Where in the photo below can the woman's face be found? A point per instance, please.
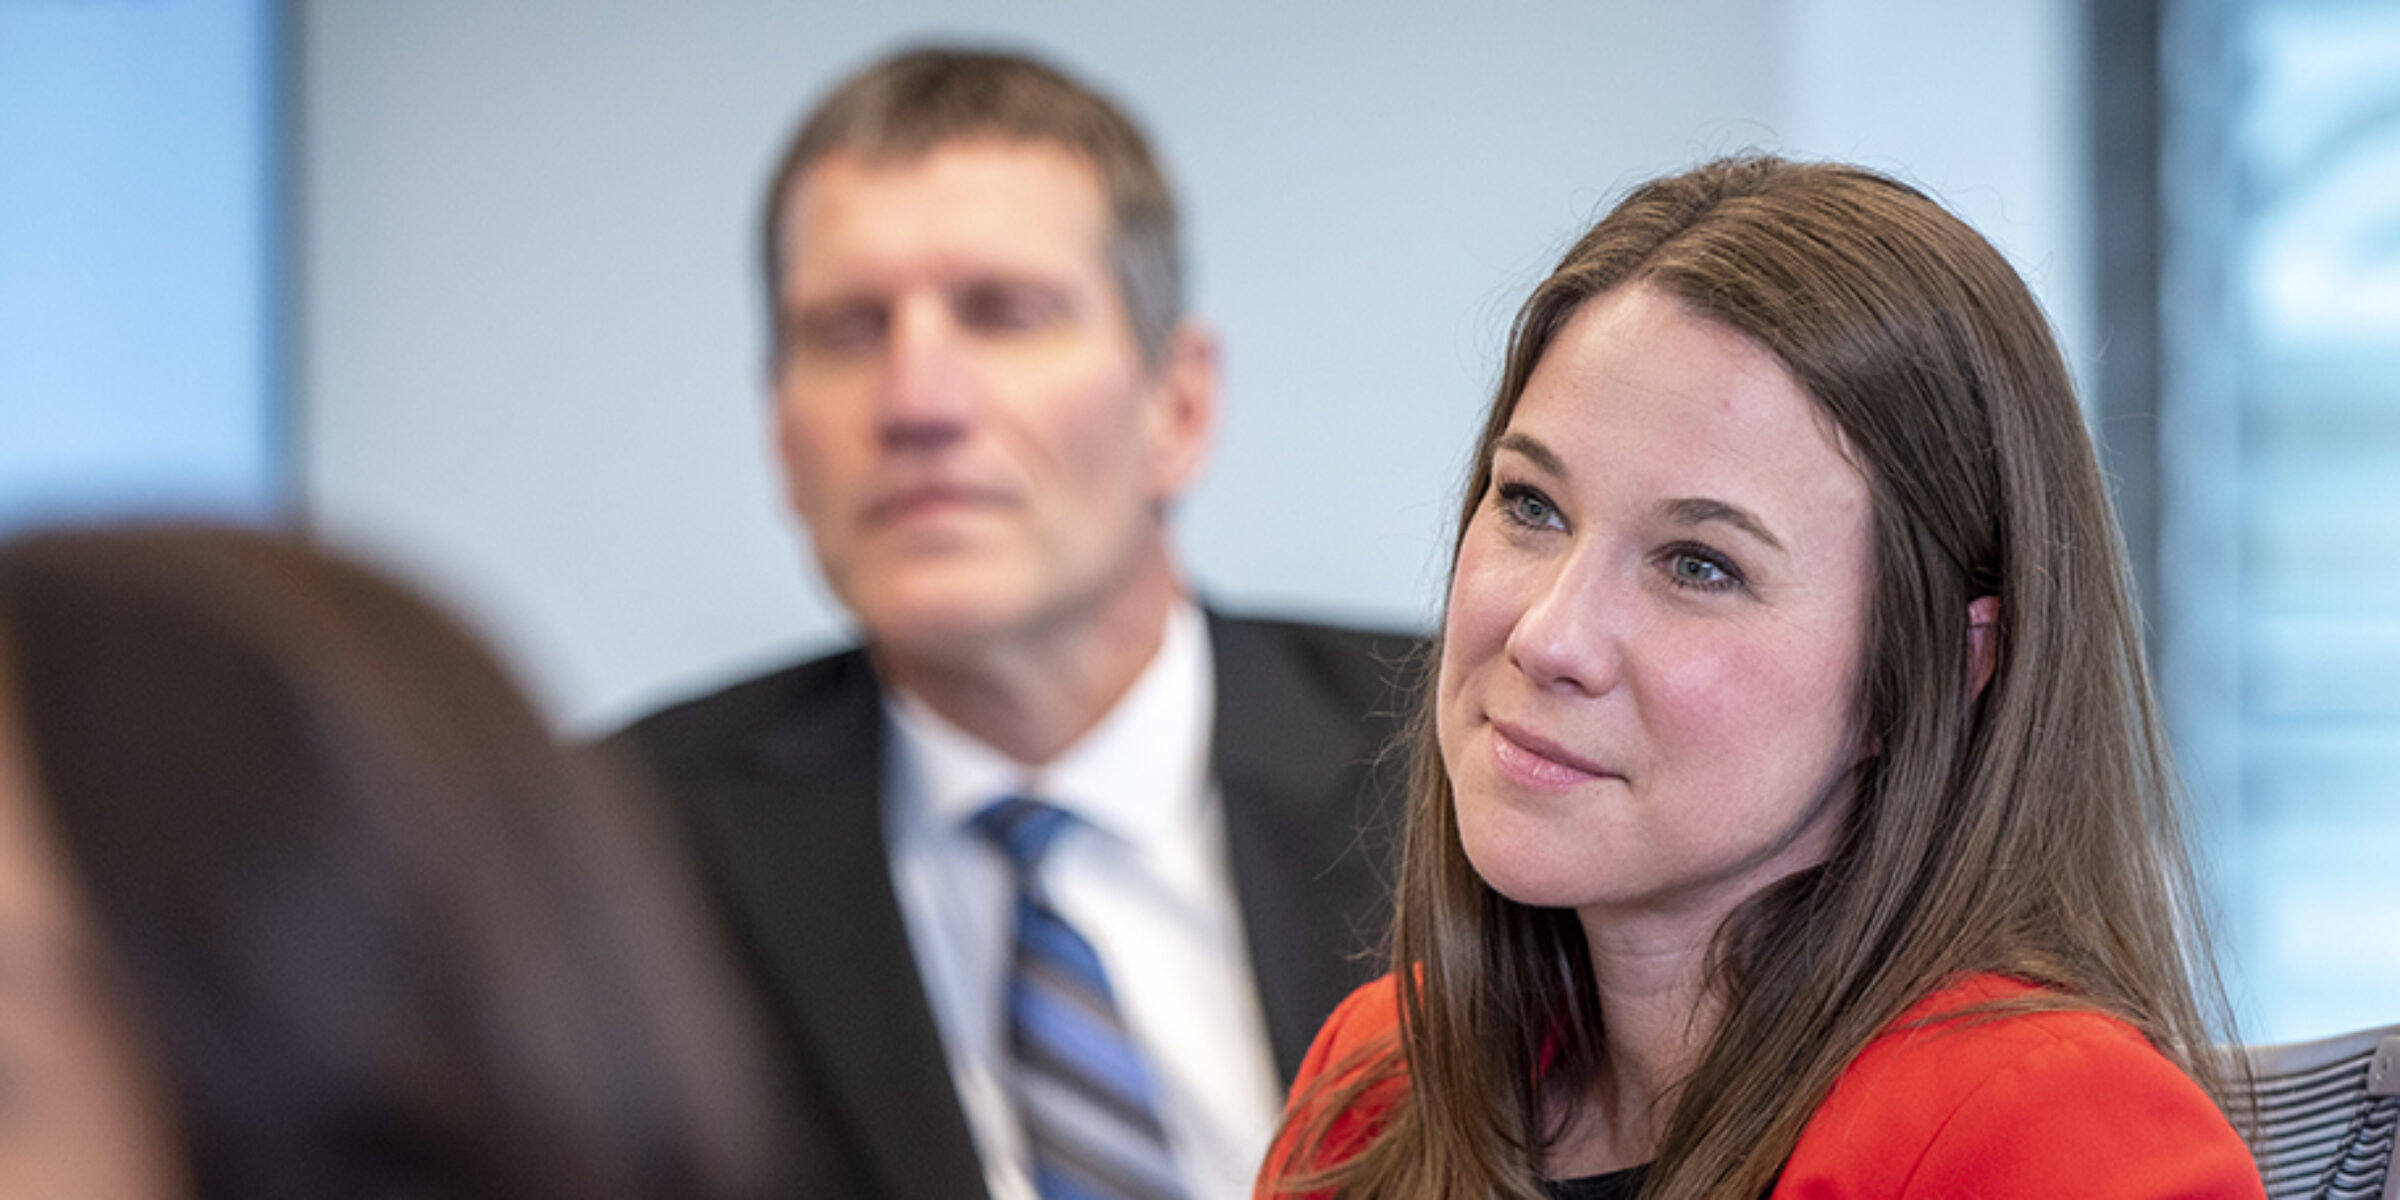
(81, 1112)
(1655, 626)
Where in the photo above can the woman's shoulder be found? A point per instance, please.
(1966, 1095)
(1996, 1019)
(1365, 1019)
(1326, 1112)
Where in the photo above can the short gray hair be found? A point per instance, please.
(912, 102)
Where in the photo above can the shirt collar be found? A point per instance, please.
(1133, 775)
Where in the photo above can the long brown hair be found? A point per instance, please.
(2035, 831)
(383, 935)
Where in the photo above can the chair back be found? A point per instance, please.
(2326, 1116)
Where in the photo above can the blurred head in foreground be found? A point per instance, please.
(299, 898)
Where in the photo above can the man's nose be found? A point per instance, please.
(927, 396)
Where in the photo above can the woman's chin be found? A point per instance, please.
(1526, 866)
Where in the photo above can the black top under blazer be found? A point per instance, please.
(779, 782)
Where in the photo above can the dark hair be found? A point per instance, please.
(2035, 831)
(906, 105)
(384, 935)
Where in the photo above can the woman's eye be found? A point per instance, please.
(1527, 507)
(1701, 571)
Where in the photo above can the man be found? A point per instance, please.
(988, 401)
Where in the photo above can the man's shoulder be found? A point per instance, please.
(1363, 664)
(702, 731)
(1345, 640)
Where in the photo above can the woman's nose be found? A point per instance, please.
(1569, 634)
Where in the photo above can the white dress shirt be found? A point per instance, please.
(1143, 876)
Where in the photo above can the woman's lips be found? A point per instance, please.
(1537, 762)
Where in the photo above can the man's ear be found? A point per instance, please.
(787, 452)
(1983, 633)
(1183, 411)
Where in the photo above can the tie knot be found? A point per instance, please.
(1023, 829)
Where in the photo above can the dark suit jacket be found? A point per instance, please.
(780, 782)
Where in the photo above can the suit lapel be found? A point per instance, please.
(1294, 766)
(797, 838)
(803, 841)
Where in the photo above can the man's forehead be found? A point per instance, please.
(973, 142)
(972, 198)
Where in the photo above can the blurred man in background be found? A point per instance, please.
(1049, 882)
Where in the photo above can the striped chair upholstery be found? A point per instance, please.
(2326, 1115)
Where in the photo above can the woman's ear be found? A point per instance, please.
(1983, 616)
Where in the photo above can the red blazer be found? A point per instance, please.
(2035, 1105)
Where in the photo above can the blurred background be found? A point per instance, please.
(470, 289)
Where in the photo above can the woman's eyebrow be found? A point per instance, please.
(1695, 510)
(1701, 510)
(1529, 447)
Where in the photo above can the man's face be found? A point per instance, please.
(966, 422)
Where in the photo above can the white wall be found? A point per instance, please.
(531, 346)
(1982, 104)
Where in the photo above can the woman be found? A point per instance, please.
(1791, 811)
(299, 899)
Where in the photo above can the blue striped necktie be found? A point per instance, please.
(1083, 1094)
